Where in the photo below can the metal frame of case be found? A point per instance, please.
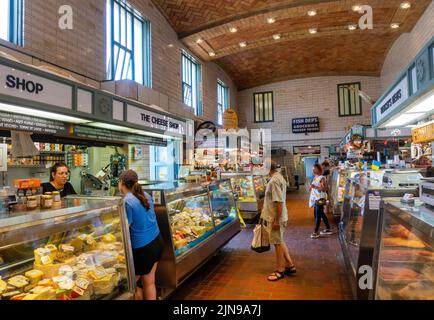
(248, 210)
(419, 222)
(174, 270)
(369, 235)
(43, 223)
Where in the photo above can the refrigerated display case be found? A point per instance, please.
(405, 269)
(195, 220)
(249, 191)
(358, 229)
(338, 182)
(79, 251)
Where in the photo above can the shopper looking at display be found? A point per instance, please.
(275, 217)
(145, 235)
(318, 198)
(327, 175)
(59, 176)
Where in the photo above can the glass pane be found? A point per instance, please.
(352, 102)
(256, 107)
(266, 107)
(108, 39)
(346, 102)
(120, 65)
(414, 80)
(4, 20)
(270, 107)
(129, 43)
(116, 22)
(138, 51)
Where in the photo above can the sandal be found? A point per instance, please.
(277, 276)
(289, 271)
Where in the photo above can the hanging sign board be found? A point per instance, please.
(305, 125)
(393, 100)
(28, 86)
(18, 122)
(230, 119)
(424, 133)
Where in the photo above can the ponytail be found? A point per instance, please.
(138, 193)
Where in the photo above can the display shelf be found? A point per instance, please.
(27, 166)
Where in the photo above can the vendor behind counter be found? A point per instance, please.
(59, 176)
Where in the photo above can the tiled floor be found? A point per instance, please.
(238, 273)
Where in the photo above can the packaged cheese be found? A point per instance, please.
(109, 238)
(34, 276)
(3, 286)
(40, 253)
(53, 251)
(19, 282)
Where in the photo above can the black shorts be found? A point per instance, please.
(145, 257)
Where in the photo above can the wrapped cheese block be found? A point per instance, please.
(44, 293)
(10, 295)
(3, 286)
(78, 243)
(52, 270)
(53, 251)
(109, 238)
(19, 282)
(65, 252)
(34, 276)
(105, 285)
(31, 296)
(42, 256)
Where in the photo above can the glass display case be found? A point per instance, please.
(360, 222)
(223, 204)
(405, 268)
(250, 192)
(77, 251)
(195, 220)
(338, 182)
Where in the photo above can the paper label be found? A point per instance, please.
(46, 260)
(156, 196)
(374, 202)
(82, 283)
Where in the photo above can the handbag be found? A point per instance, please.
(321, 202)
(261, 238)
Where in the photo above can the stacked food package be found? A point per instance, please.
(189, 224)
(83, 269)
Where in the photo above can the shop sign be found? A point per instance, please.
(154, 120)
(11, 121)
(305, 125)
(423, 133)
(230, 119)
(28, 86)
(393, 100)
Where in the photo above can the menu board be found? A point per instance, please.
(18, 122)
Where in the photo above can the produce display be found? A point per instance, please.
(244, 188)
(190, 220)
(83, 269)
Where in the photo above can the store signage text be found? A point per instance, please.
(393, 100)
(159, 121)
(305, 125)
(154, 120)
(23, 84)
(28, 86)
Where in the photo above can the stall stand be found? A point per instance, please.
(250, 192)
(78, 250)
(195, 220)
(360, 222)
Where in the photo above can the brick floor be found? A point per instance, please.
(238, 273)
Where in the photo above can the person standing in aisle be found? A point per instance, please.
(275, 218)
(145, 234)
(317, 200)
(327, 175)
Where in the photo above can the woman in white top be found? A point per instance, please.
(318, 198)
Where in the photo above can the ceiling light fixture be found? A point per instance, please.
(233, 29)
(271, 20)
(277, 36)
(394, 25)
(357, 8)
(352, 27)
(243, 44)
(311, 13)
(212, 54)
(405, 5)
(313, 30)
(199, 41)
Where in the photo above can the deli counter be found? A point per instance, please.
(359, 227)
(250, 192)
(78, 251)
(405, 268)
(195, 220)
(338, 182)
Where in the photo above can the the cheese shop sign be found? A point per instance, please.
(28, 86)
(154, 120)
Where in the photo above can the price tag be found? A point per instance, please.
(156, 196)
(46, 260)
(374, 202)
(82, 283)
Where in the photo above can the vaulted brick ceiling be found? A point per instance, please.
(333, 50)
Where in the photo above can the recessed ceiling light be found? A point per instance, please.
(199, 41)
(271, 20)
(311, 13)
(394, 25)
(405, 5)
(170, 45)
(313, 30)
(352, 27)
(233, 29)
(211, 54)
(357, 7)
(277, 36)
(243, 44)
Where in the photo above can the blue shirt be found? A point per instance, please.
(143, 223)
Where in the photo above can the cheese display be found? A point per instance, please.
(190, 221)
(68, 272)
